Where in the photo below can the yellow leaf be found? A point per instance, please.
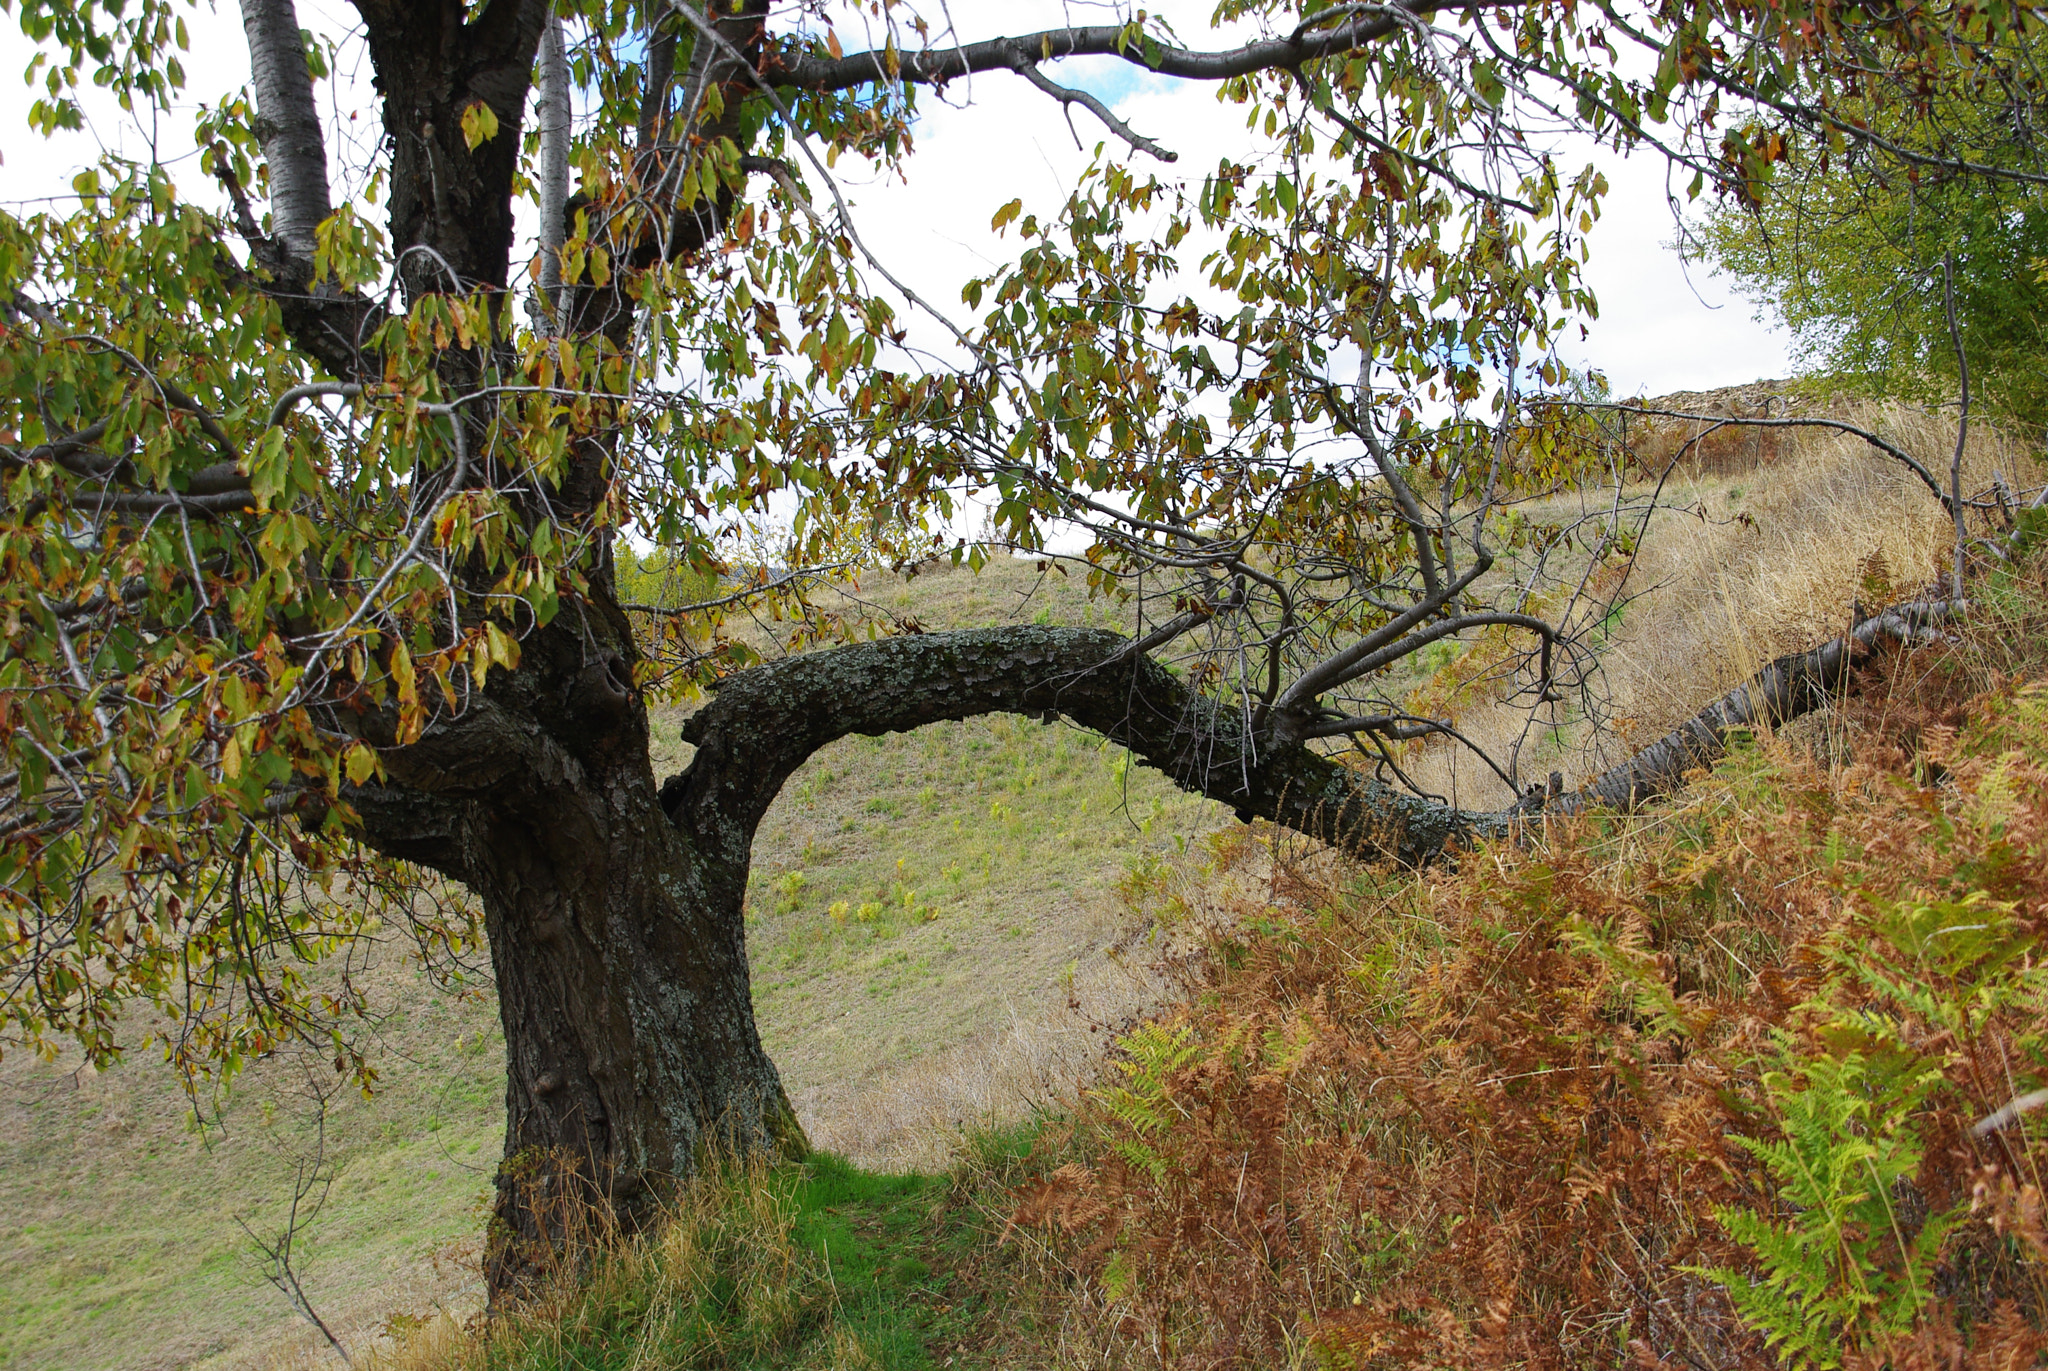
(479, 124)
(401, 672)
(361, 764)
(504, 647)
(832, 44)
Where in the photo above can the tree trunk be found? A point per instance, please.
(630, 1045)
(613, 907)
(614, 910)
(448, 202)
(616, 937)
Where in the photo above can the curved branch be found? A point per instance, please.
(815, 72)
(289, 401)
(1888, 449)
(764, 722)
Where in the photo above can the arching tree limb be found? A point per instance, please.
(763, 723)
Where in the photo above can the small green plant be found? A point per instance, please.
(1847, 1267)
(1841, 1270)
(816, 1264)
(1154, 1053)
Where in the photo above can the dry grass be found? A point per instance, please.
(1740, 569)
(1501, 1115)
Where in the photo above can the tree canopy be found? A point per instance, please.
(315, 505)
(1901, 277)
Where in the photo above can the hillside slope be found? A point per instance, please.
(939, 926)
(920, 910)
(1752, 1080)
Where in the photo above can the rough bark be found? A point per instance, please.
(615, 910)
(613, 906)
(616, 939)
(451, 205)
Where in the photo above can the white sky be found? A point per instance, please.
(1661, 328)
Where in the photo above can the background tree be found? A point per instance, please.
(312, 522)
(1863, 254)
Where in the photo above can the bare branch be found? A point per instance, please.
(744, 593)
(1955, 470)
(810, 71)
(290, 399)
(1344, 666)
(1891, 450)
(1069, 97)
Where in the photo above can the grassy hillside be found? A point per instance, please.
(920, 909)
(1753, 1080)
(1750, 1081)
(118, 1241)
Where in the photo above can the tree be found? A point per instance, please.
(312, 524)
(1898, 277)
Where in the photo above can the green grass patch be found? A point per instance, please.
(761, 1267)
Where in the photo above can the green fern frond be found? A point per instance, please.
(1839, 1272)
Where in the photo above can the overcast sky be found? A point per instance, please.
(1662, 327)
